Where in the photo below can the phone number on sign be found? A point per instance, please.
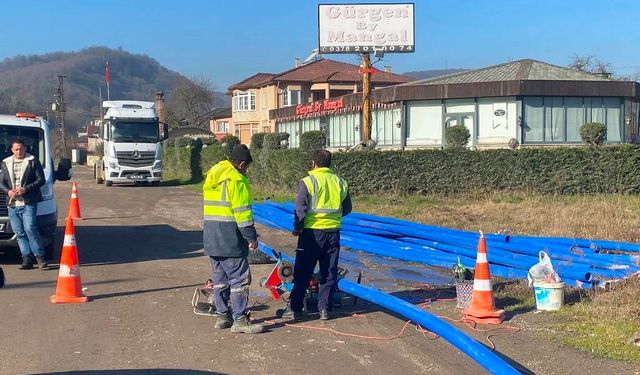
(359, 49)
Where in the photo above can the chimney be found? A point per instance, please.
(603, 74)
(387, 68)
(296, 62)
(160, 107)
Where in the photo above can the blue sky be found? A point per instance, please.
(227, 41)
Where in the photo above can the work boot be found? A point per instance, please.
(27, 263)
(243, 325)
(324, 315)
(289, 314)
(42, 262)
(223, 321)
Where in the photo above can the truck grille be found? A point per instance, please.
(136, 158)
(4, 211)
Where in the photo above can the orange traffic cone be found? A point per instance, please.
(69, 288)
(74, 203)
(482, 308)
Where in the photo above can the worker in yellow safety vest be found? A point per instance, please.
(322, 200)
(228, 235)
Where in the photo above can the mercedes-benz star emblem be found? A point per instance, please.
(135, 154)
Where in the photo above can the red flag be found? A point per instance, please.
(107, 73)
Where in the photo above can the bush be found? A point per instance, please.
(275, 141)
(593, 133)
(181, 142)
(257, 140)
(228, 143)
(456, 136)
(313, 140)
(562, 170)
(208, 141)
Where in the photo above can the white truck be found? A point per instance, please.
(130, 134)
(35, 132)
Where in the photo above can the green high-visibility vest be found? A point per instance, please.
(227, 196)
(327, 191)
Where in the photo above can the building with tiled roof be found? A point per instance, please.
(221, 122)
(255, 96)
(525, 102)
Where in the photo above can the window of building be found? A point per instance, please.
(222, 127)
(558, 119)
(244, 101)
(291, 97)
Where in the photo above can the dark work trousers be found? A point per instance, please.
(316, 246)
(231, 280)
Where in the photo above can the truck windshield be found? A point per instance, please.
(33, 138)
(135, 131)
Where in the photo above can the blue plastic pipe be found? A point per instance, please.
(617, 266)
(476, 351)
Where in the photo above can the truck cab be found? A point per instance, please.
(34, 131)
(130, 133)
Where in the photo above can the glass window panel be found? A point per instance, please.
(575, 118)
(597, 111)
(613, 114)
(533, 119)
(554, 119)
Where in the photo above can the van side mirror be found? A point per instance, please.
(63, 172)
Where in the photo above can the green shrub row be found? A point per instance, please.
(562, 170)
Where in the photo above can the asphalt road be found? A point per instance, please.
(141, 257)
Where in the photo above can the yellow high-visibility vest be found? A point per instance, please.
(327, 191)
(227, 195)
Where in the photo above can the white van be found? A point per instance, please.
(34, 131)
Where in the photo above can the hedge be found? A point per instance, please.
(562, 170)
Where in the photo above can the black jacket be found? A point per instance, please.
(32, 178)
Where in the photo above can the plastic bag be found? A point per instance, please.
(542, 271)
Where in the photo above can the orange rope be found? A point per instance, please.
(327, 329)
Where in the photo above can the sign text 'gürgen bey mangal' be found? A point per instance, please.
(319, 106)
(345, 28)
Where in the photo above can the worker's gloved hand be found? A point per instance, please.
(296, 232)
(253, 245)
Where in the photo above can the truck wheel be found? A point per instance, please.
(108, 183)
(155, 183)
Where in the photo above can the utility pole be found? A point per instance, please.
(61, 107)
(366, 92)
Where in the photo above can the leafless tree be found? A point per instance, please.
(581, 63)
(590, 64)
(190, 102)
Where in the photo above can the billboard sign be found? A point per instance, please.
(363, 28)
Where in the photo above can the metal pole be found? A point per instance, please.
(366, 91)
(62, 109)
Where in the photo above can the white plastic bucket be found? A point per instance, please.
(549, 296)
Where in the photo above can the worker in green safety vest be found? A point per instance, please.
(322, 200)
(229, 233)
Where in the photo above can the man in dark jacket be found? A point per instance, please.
(21, 178)
(229, 233)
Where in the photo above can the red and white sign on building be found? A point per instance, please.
(364, 28)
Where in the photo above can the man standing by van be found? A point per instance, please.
(229, 233)
(21, 179)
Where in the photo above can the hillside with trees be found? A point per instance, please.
(29, 83)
